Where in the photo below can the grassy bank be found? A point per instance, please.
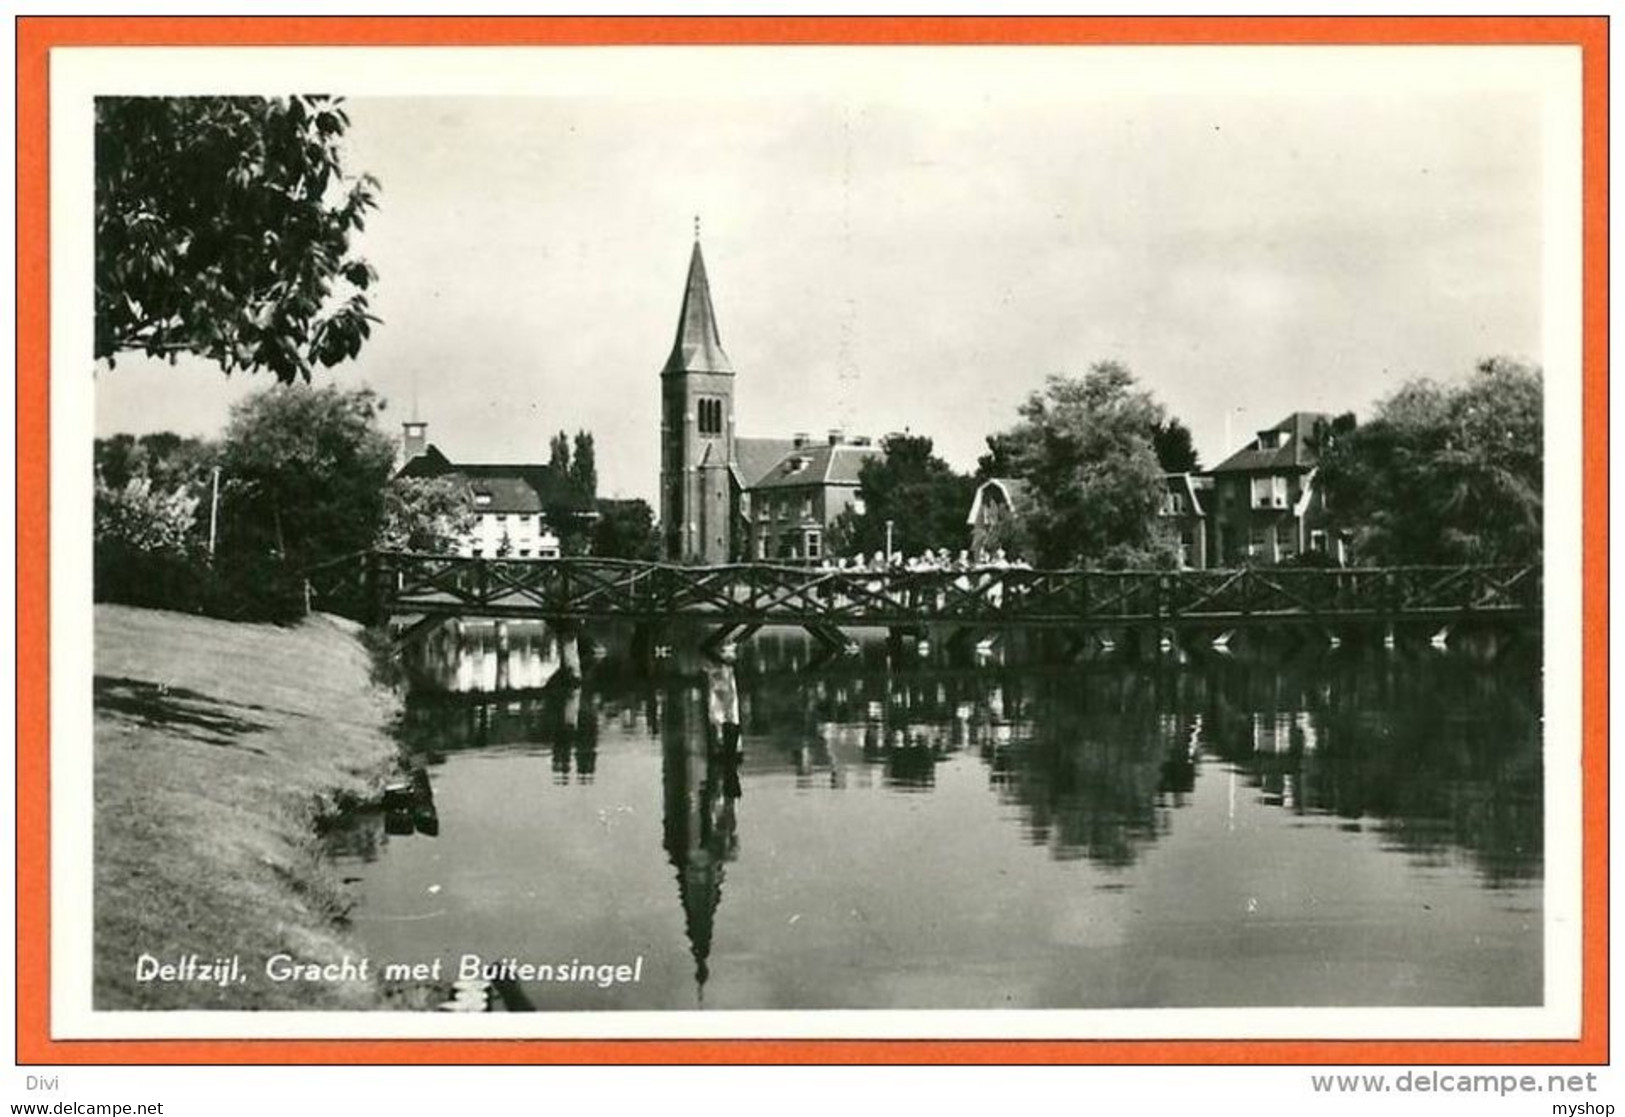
(219, 748)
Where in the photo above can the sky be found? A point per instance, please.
(921, 254)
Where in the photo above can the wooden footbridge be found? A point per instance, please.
(737, 599)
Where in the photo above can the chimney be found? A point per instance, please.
(801, 439)
(836, 436)
(414, 440)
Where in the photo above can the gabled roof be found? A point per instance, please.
(758, 456)
(820, 464)
(698, 346)
(501, 494)
(430, 463)
(555, 492)
(1187, 486)
(1009, 491)
(1293, 453)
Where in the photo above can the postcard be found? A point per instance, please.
(813, 540)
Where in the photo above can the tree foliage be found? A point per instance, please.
(558, 456)
(1443, 473)
(430, 515)
(1176, 452)
(626, 529)
(149, 543)
(223, 229)
(922, 496)
(170, 461)
(1084, 445)
(142, 517)
(584, 466)
(306, 470)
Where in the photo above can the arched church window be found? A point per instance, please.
(710, 413)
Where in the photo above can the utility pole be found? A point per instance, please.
(1229, 446)
(214, 510)
(888, 543)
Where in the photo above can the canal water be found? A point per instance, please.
(916, 826)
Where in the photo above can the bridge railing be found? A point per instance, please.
(764, 592)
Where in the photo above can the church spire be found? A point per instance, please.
(698, 347)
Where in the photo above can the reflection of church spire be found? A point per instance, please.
(701, 783)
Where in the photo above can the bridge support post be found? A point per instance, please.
(831, 638)
(420, 628)
(728, 636)
(712, 643)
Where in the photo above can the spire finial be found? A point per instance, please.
(696, 228)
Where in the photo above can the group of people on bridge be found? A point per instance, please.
(927, 560)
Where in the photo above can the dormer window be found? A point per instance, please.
(1271, 440)
(796, 465)
(482, 499)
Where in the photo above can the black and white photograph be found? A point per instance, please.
(720, 540)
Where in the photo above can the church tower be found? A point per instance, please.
(697, 432)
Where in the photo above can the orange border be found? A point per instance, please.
(37, 36)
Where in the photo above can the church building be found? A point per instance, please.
(725, 498)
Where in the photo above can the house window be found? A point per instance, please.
(710, 412)
(1269, 492)
(1317, 542)
(815, 544)
(806, 508)
(524, 552)
(1259, 542)
(502, 517)
(859, 508)
(482, 499)
(478, 552)
(524, 518)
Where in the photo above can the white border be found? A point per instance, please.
(78, 74)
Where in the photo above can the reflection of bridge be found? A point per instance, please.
(378, 584)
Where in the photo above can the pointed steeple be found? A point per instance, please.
(698, 347)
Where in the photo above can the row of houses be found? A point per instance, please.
(728, 497)
(1260, 506)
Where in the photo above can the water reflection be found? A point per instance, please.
(700, 780)
(1434, 754)
(1383, 775)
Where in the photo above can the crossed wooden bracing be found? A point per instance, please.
(378, 584)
